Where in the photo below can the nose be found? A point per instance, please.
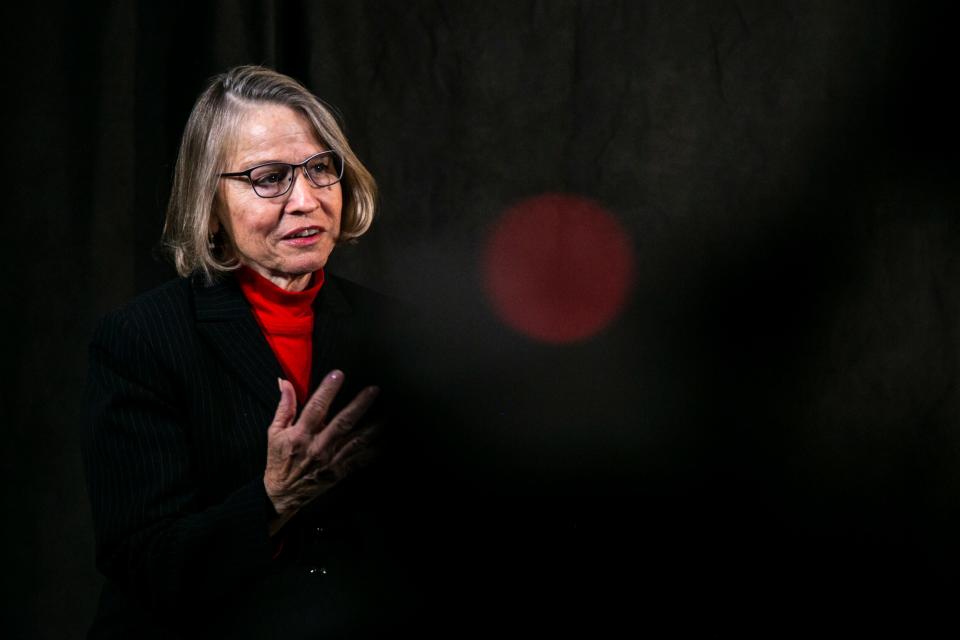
(303, 197)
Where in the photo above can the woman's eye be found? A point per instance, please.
(269, 179)
(320, 166)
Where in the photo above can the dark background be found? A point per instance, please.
(770, 424)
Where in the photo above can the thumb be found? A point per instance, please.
(287, 407)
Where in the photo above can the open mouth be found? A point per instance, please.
(302, 233)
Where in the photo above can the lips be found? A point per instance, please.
(302, 232)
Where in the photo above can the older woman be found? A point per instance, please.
(221, 443)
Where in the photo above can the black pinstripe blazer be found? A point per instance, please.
(182, 385)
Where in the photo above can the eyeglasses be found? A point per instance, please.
(275, 179)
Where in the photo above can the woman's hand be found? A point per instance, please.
(307, 457)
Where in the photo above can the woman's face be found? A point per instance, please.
(261, 230)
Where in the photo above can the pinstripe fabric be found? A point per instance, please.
(181, 388)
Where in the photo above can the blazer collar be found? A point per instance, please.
(225, 319)
(224, 301)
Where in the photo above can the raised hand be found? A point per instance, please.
(309, 456)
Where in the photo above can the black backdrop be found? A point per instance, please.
(772, 418)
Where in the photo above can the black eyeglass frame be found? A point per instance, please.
(337, 158)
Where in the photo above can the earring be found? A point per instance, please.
(211, 244)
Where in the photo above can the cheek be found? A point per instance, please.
(248, 227)
(257, 227)
(338, 212)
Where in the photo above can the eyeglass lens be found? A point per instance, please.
(272, 180)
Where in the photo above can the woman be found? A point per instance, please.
(222, 448)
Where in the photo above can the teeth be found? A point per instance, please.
(306, 233)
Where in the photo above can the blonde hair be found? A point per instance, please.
(207, 139)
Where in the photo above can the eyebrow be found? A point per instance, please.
(253, 163)
(247, 164)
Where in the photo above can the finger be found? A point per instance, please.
(359, 458)
(287, 407)
(349, 416)
(326, 451)
(315, 411)
(358, 445)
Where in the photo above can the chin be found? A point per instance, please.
(300, 267)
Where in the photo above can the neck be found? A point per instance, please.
(292, 283)
(286, 281)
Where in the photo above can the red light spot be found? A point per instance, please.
(557, 267)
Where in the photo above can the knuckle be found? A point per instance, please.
(342, 425)
(319, 404)
(316, 452)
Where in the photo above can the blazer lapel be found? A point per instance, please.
(225, 319)
(329, 309)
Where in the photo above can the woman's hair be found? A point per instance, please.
(209, 137)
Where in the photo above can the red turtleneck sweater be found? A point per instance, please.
(286, 318)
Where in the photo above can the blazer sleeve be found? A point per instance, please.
(152, 535)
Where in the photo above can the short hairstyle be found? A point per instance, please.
(210, 134)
